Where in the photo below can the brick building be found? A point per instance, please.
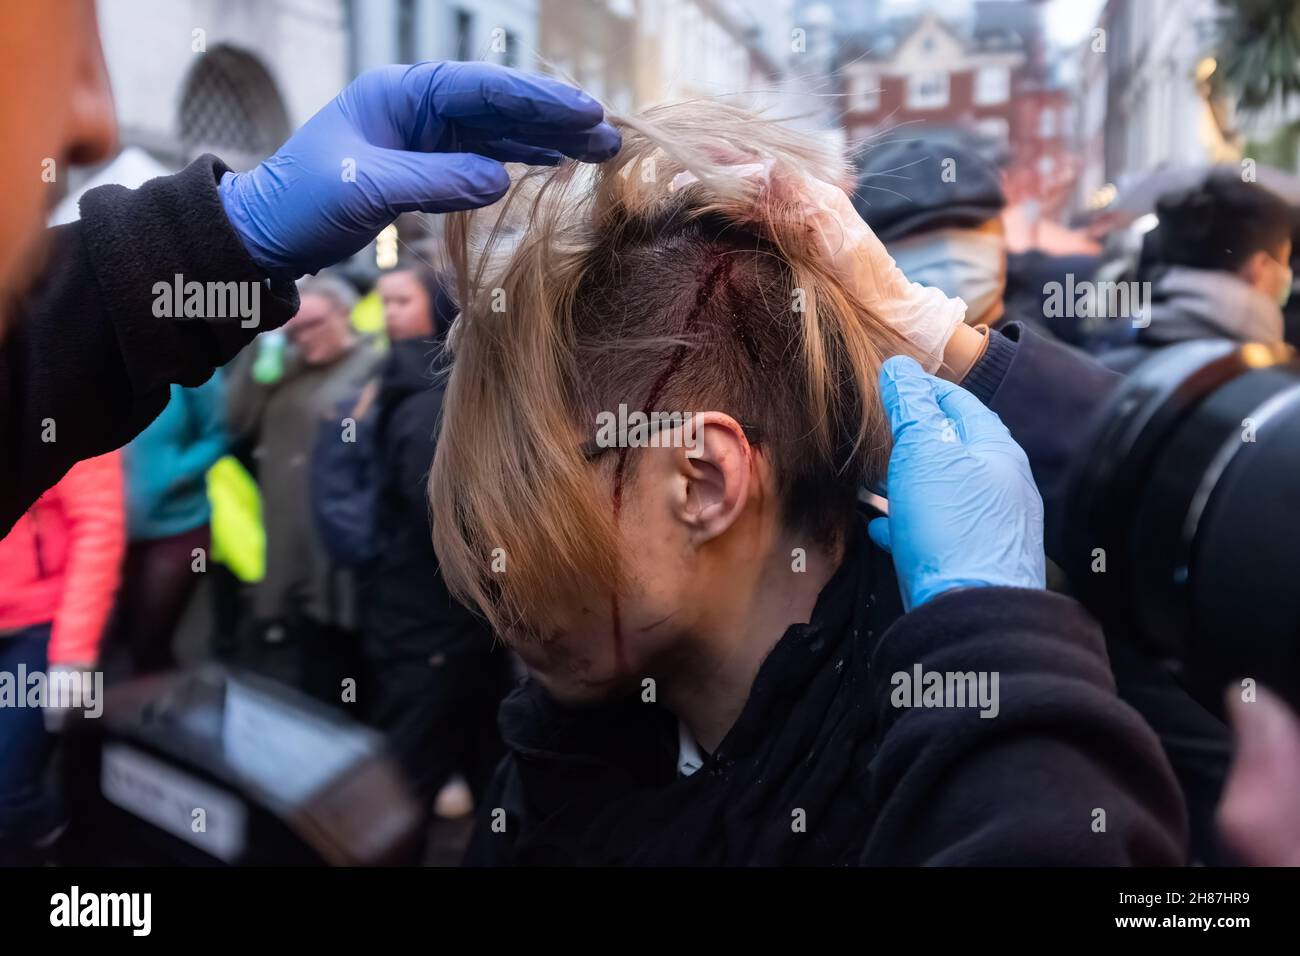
(927, 76)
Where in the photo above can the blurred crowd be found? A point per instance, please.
(1214, 258)
(281, 506)
(281, 509)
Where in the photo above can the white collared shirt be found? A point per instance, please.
(688, 752)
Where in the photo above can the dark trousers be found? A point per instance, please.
(327, 656)
(439, 712)
(158, 580)
(26, 811)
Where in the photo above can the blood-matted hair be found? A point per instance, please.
(664, 281)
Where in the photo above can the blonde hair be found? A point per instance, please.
(633, 283)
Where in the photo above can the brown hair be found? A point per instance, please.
(633, 283)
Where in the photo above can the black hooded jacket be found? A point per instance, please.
(439, 675)
(822, 769)
(406, 605)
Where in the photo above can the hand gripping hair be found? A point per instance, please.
(686, 274)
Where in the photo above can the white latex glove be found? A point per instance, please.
(924, 316)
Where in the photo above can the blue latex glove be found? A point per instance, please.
(429, 137)
(963, 507)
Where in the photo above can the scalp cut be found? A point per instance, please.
(661, 280)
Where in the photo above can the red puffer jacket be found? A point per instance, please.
(62, 561)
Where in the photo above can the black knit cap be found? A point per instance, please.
(903, 188)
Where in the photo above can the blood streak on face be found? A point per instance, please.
(721, 272)
(620, 470)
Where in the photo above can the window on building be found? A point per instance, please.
(996, 130)
(992, 85)
(1047, 124)
(864, 92)
(927, 91)
(1046, 166)
(230, 106)
(592, 73)
(406, 32)
(464, 34)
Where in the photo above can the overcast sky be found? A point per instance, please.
(1069, 21)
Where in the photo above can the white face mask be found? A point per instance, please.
(964, 263)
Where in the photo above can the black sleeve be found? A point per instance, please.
(414, 429)
(411, 611)
(86, 364)
(1065, 773)
(1047, 394)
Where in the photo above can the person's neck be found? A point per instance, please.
(709, 687)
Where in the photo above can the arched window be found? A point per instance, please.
(230, 106)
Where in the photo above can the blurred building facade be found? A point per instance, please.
(406, 31)
(1090, 111)
(594, 43)
(927, 72)
(235, 77)
(634, 53)
(983, 69)
(232, 77)
(1155, 111)
(1143, 95)
(694, 48)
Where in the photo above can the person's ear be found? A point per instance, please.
(714, 468)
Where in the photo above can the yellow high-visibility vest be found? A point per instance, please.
(238, 536)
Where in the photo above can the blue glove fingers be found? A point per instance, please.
(908, 394)
(440, 182)
(594, 145)
(508, 151)
(975, 422)
(878, 531)
(413, 136)
(479, 93)
(962, 499)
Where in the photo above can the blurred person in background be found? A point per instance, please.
(1030, 276)
(167, 521)
(415, 306)
(1219, 263)
(304, 597)
(937, 205)
(1291, 311)
(80, 338)
(59, 571)
(438, 675)
(1047, 394)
